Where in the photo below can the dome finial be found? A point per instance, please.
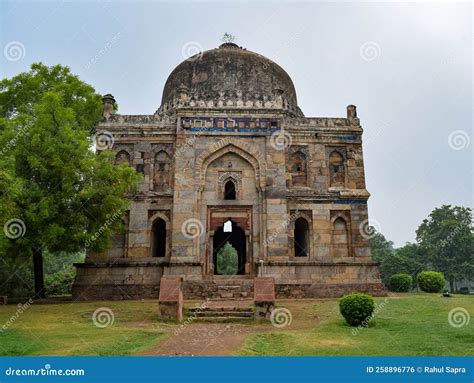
(228, 38)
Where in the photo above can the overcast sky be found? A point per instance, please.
(407, 67)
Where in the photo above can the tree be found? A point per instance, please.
(61, 195)
(446, 237)
(382, 251)
(410, 259)
(227, 260)
(407, 259)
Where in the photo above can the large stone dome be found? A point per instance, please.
(230, 77)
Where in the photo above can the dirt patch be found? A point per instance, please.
(207, 339)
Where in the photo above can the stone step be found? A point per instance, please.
(226, 314)
(224, 310)
(233, 309)
(229, 319)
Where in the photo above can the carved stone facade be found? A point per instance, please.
(230, 157)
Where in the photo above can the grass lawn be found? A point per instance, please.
(408, 324)
(68, 329)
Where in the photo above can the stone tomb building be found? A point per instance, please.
(229, 157)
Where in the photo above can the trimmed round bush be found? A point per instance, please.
(357, 309)
(431, 281)
(400, 283)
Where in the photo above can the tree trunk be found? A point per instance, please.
(451, 285)
(38, 272)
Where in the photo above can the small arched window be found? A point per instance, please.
(340, 238)
(229, 190)
(298, 169)
(122, 157)
(337, 174)
(158, 238)
(162, 171)
(301, 238)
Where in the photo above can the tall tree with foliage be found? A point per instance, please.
(59, 193)
(446, 237)
(227, 260)
(382, 251)
(407, 259)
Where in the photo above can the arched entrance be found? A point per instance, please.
(158, 238)
(233, 234)
(301, 238)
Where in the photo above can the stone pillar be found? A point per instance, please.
(3, 299)
(351, 111)
(171, 298)
(108, 102)
(264, 297)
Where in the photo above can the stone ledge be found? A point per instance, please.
(134, 263)
(297, 291)
(355, 262)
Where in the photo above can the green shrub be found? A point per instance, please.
(61, 282)
(357, 309)
(431, 281)
(400, 283)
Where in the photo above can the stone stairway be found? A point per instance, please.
(222, 311)
(233, 287)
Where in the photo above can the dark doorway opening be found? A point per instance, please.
(301, 236)
(229, 190)
(158, 236)
(236, 238)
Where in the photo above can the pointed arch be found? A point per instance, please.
(337, 169)
(122, 157)
(229, 145)
(158, 238)
(159, 229)
(298, 168)
(301, 237)
(161, 178)
(230, 190)
(340, 237)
